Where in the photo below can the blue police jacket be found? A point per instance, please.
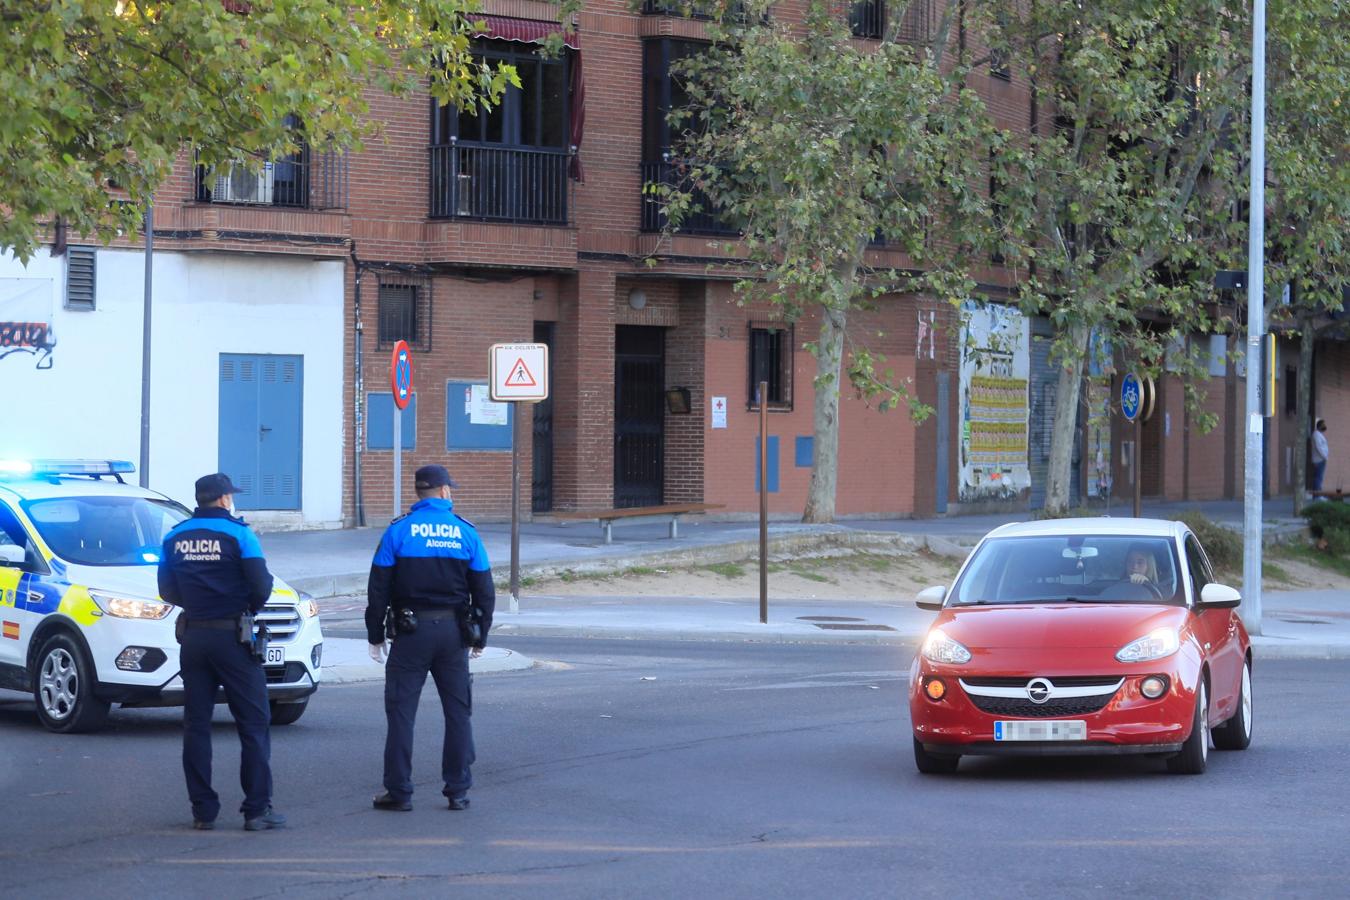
(428, 559)
(212, 566)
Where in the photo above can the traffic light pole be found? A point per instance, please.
(1256, 327)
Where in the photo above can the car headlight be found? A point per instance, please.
(307, 605)
(131, 607)
(939, 648)
(1155, 645)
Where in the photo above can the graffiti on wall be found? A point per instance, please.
(995, 367)
(26, 319)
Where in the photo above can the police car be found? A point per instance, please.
(81, 622)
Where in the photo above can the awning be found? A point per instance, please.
(527, 31)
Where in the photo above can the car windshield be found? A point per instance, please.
(105, 530)
(1072, 569)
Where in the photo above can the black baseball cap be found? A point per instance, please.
(429, 477)
(213, 487)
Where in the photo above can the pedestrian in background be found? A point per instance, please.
(212, 567)
(431, 579)
(1321, 452)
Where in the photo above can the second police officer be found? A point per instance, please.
(212, 566)
(432, 579)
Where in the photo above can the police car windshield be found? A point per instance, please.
(105, 531)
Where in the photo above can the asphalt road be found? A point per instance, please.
(742, 770)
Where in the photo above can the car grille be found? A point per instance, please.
(1017, 681)
(282, 621)
(1050, 709)
(287, 674)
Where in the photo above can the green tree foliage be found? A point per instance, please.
(100, 96)
(815, 145)
(1121, 199)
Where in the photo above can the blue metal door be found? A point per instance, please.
(260, 427)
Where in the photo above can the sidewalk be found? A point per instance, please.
(329, 563)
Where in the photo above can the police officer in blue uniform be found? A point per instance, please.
(431, 575)
(212, 566)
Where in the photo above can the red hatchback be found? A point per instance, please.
(1083, 636)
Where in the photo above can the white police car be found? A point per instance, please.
(81, 622)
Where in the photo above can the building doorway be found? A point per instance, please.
(541, 486)
(639, 416)
(261, 401)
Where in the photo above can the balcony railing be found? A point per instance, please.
(704, 218)
(500, 184)
(869, 18)
(303, 180)
(694, 9)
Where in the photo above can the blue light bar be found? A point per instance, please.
(65, 467)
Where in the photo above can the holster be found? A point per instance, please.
(470, 620)
(180, 627)
(399, 621)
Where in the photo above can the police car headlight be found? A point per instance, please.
(307, 606)
(131, 607)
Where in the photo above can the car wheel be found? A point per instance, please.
(287, 713)
(932, 763)
(1236, 733)
(1194, 753)
(63, 687)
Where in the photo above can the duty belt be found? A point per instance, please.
(216, 624)
(435, 613)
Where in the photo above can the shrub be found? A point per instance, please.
(1223, 545)
(1329, 522)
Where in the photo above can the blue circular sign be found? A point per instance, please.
(1131, 396)
(401, 374)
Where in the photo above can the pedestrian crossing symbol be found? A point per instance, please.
(519, 372)
(520, 375)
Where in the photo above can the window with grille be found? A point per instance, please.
(80, 278)
(404, 311)
(770, 354)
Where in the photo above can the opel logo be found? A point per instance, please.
(1039, 690)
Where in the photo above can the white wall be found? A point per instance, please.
(88, 403)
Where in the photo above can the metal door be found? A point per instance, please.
(541, 486)
(943, 438)
(261, 435)
(1043, 388)
(639, 416)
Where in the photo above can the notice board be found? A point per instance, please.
(465, 427)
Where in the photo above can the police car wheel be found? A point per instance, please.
(63, 686)
(287, 713)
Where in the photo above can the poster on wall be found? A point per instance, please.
(26, 319)
(995, 367)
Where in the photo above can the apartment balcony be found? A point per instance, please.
(693, 9)
(704, 219)
(302, 180)
(869, 19)
(512, 185)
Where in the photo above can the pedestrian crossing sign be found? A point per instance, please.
(519, 372)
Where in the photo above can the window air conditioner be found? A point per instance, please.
(243, 184)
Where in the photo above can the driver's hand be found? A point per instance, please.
(1139, 578)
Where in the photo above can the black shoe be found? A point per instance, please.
(203, 825)
(458, 803)
(266, 820)
(390, 802)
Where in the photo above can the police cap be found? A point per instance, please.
(429, 477)
(212, 487)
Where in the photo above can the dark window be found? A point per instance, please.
(1198, 564)
(404, 310)
(81, 269)
(532, 115)
(1290, 390)
(770, 355)
(663, 91)
(867, 18)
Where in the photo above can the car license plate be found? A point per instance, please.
(1044, 730)
(276, 656)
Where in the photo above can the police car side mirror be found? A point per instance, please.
(12, 555)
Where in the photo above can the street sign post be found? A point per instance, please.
(519, 374)
(401, 383)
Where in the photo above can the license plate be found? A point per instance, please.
(1043, 730)
(276, 656)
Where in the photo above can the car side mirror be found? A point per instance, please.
(12, 555)
(931, 598)
(1219, 596)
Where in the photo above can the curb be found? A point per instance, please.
(494, 659)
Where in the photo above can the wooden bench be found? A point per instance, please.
(671, 511)
(1329, 495)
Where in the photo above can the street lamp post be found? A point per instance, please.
(145, 342)
(1256, 326)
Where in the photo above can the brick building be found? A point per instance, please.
(529, 223)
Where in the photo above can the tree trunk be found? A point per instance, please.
(1303, 417)
(1064, 430)
(825, 458)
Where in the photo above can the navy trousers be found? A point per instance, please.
(435, 648)
(212, 659)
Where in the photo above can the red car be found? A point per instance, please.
(1082, 637)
